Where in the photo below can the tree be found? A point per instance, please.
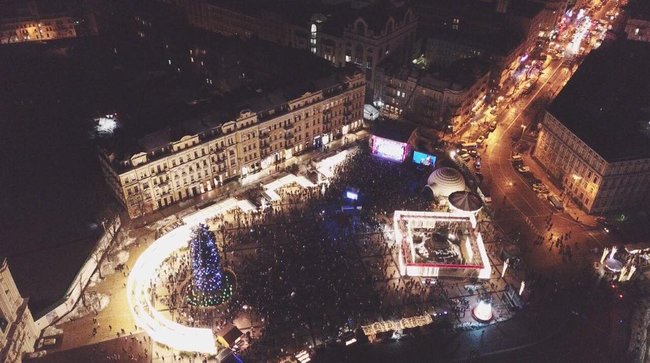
(210, 286)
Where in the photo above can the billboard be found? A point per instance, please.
(423, 158)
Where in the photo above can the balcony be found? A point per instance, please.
(288, 126)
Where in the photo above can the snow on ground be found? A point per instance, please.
(51, 331)
(92, 302)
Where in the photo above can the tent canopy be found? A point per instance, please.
(444, 181)
(465, 201)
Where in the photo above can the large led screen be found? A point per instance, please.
(389, 149)
(423, 159)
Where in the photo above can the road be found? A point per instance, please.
(527, 216)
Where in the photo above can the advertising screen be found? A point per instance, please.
(423, 159)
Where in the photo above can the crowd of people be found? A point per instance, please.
(315, 264)
(310, 269)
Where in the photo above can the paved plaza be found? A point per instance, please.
(368, 259)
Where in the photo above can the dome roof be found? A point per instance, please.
(444, 181)
(465, 201)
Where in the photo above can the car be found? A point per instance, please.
(473, 152)
(542, 190)
(530, 178)
(554, 201)
(477, 164)
(607, 226)
(480, 140)
(523, 169)
(464, 155)
(493, 126)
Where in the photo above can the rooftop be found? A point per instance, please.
(607, 101)
(639, 9)
(337, 14)
(459, 75)
(126, 144)
(393, 130)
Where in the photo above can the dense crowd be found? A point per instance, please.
(299, 263)
(314, 264)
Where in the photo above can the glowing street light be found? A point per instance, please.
(523, 129)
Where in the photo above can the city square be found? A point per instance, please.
(298, 181)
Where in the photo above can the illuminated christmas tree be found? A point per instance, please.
(210, 285)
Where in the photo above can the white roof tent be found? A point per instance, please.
(370, 112)
(434, 244)
(445, 181)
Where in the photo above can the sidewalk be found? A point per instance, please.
(574, 212)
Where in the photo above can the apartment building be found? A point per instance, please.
(174, 164)
(35, 21)
(595, 136)
(434, 97)
(360, 33)
(18, 331)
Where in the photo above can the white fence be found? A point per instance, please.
(82, 279)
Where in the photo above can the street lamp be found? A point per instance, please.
(523, 129)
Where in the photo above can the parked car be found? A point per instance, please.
(541, 190)
(473, 152)
(523, 169)
(464, 155)
(493, 126)
(480, 140)
(477, 164)
(555, 202)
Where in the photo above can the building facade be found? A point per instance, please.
(35, 21)
(18, 331)
(595, 136)
(164, 169)
(447, 97)
(593, 183)
(363, 34)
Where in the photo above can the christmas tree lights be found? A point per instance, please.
(210, 284)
